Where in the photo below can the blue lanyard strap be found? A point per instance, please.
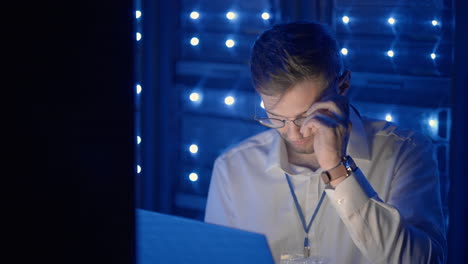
(299, 210)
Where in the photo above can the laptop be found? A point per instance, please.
(163, 238)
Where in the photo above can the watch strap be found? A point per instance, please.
(344, 169)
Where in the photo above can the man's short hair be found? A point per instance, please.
(293, 52)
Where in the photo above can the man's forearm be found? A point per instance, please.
(378, 229)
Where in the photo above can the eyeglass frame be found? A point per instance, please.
(286, 121)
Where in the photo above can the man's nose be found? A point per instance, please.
(294, 131)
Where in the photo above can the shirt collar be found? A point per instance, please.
(358, 146)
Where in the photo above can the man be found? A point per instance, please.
(325, 182)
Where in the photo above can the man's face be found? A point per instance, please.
(294, 104)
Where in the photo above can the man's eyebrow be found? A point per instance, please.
(283, 116)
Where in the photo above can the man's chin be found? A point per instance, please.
(301, 148)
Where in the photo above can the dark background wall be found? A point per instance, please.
(73, 201)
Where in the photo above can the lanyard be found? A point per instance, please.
(299, 210)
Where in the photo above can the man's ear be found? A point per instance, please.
(344, 83)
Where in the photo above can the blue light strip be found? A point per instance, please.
(138, 88)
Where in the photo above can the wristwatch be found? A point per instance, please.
(343, 169)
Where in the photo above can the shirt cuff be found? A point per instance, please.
(351, 194)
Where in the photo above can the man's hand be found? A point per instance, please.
(328, 121)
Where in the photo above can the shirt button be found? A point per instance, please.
(340, 201)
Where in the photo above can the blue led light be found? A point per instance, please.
(229, 100)
(389, 117)
(194, 41)
(138, 14)
(434, 22)
(194, 15)
(344, 51)
(138, 139)
(390, 53)
(138, 169)
(231, 15)
(193, 148)
(138, 89)
(391, 20)
(433, 56)
(345, 19)
(265, 16)
(230, 43)
(194, 97)
(138, 36)
(193, 177)
(433, 123)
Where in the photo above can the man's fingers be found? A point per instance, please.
(317, 121)
(339, 106)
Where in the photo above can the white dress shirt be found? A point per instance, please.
(387, 211)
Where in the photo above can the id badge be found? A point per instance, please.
(295, 258)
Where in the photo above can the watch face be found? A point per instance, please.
(350, 165)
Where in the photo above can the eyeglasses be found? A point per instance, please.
(279, 123)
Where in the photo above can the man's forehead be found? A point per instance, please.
(296, 100)
(308, 87)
